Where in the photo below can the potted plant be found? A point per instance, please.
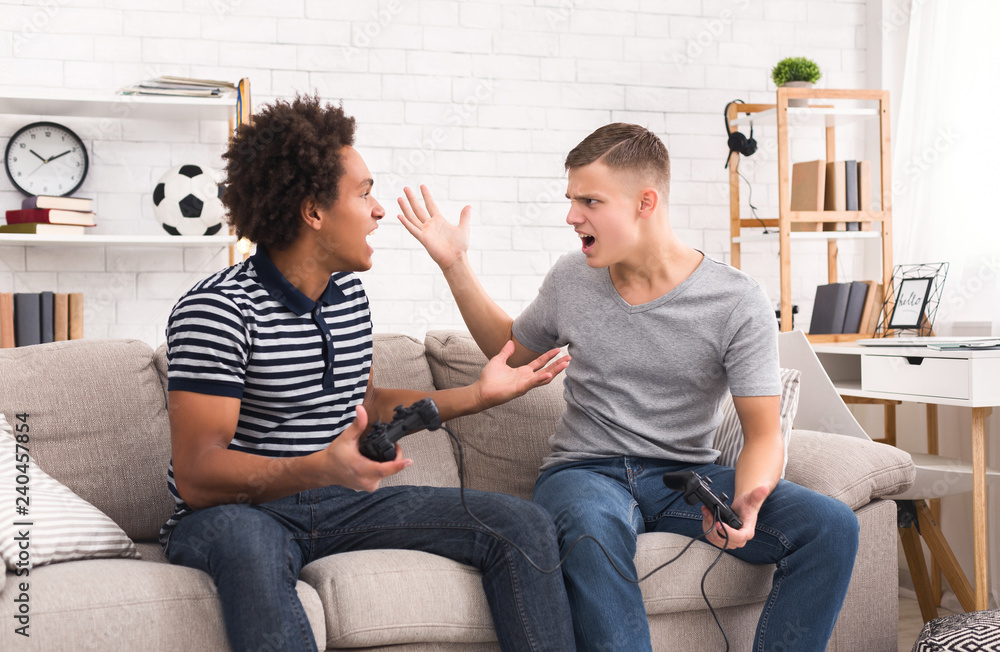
(796, 72)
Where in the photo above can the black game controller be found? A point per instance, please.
(696, 489)
(380, 443)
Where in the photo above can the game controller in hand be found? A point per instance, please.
(380, 443)
(696, 489)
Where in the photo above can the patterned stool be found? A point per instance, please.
(978, 631)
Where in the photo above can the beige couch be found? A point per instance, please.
(99, 425)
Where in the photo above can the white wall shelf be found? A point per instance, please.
(131, 107)
(807, 116)
(21, 239)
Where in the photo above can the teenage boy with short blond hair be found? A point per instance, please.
(658, 333)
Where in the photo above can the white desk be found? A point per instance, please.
(921, 375)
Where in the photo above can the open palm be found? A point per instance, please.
(499, 383)
(445, 242)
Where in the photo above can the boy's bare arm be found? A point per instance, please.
(758, 467)
(448, 246)
(207, 472)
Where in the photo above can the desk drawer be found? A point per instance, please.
(941, 377)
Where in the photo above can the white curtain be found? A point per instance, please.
(946, 174)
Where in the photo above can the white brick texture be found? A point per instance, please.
(480, 99)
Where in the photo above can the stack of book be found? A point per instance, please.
(45, 215)
(846, 308)
(834, 186)
(39, 317)
(182, 86)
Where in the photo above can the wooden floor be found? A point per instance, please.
(910, 622)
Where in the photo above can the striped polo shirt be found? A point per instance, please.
(298, 366)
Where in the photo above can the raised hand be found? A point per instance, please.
(499, 383)
(446, 243)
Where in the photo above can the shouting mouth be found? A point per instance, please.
(588, 241)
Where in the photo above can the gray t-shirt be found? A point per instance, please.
(648, 380)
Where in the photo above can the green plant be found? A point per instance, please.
(795, 69)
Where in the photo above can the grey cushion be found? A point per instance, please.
(399, 363)
(98, 423)
(120, 604)
(852, 470)
(505, 445)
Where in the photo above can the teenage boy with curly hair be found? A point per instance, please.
(270, 389)
(658, 332)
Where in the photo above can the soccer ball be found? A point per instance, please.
(187, 201)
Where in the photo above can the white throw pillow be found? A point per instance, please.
(42, 521)
(729, 434)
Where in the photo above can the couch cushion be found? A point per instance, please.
(503, 446)
(124, 604)
(852, 470)
(98, 424)
(399, 363)
(436, 600)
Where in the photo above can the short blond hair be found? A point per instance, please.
(627, 148)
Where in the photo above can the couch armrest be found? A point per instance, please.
(852, 470)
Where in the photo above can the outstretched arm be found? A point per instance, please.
(448, 246)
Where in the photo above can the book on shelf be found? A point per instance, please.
(80, 204)
(6, 320)
(851, 191)
(60, 317)
(27, 318)
(829, 309)
(808, 190)
(50, 216)
(43, 229)
(877, 298)
(870, 306)
(864, 186)
(180, 86)
(46, 307)
(836, 194)
(857, 292)
(76, 316)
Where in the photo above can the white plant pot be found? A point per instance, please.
(797, 84)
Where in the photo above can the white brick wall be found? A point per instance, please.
(481, 99)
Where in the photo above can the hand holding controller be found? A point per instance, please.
(697, 489)
(380, 443)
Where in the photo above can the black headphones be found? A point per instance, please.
(737, 141)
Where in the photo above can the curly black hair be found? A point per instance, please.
(289, 153)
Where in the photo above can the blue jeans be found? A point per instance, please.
(810, 538)
(254, 554)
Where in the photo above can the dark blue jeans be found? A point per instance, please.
(254, 554)
(810, 538)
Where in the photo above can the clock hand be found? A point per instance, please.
(52, 158)
(39, 157)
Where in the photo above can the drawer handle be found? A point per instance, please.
(914, 360)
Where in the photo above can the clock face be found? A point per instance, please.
(45, 158)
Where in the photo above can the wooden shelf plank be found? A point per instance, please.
(808, 235)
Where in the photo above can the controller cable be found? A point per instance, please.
(716, 514)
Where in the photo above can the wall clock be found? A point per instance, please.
(46, 158)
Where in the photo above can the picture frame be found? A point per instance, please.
(911, 303)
